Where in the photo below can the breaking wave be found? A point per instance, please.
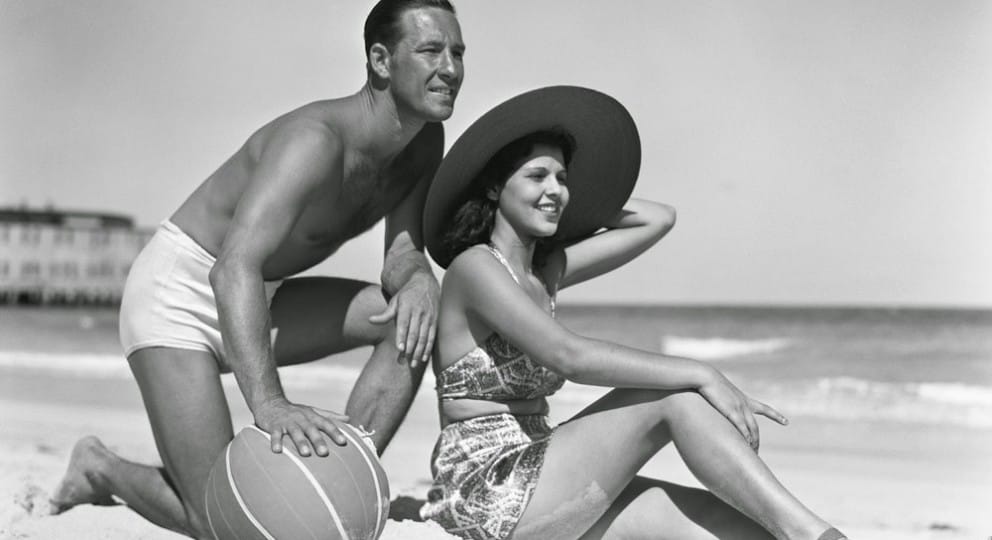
(720, 348)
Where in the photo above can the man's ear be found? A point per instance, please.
(379, 59)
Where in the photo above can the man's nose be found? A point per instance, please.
(449, 69)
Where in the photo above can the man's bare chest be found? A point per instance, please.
(347, 206)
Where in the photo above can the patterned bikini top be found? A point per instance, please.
(496, 370)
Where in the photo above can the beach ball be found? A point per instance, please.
(254, 493)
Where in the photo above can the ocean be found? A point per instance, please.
(906, 366)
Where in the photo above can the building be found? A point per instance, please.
(55, 256)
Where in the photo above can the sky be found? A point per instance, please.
(835, 153)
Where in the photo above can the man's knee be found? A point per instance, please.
(369, 302)
(199, 525)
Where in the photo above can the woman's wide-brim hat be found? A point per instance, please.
(601, 175)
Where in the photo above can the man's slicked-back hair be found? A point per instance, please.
(383, 22)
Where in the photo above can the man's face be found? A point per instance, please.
(426, 64)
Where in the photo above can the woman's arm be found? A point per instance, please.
(488, 293)
(640, 225)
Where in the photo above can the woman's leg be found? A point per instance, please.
(593, 458)
(647, 506)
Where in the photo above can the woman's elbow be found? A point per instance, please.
(566, 357)
(660, 219)
(666, 216)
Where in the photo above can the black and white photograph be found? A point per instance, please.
(480, 270)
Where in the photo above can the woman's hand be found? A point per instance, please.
(737, 406)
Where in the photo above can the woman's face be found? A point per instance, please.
(533, 198)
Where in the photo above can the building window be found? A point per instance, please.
(30, 235)
(30, 268)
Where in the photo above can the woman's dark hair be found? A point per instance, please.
(383, 23)
(472, 223)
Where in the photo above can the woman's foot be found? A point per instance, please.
(82, 483)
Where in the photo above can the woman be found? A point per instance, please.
(514, 216)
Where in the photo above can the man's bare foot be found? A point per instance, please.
(82, 483)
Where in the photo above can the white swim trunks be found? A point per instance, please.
(168, 301)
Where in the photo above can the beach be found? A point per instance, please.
(883, 475)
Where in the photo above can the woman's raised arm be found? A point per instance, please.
(640, 225)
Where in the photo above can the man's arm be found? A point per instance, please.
(292, 165)
(406, 273)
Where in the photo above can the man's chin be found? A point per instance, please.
(441, 113)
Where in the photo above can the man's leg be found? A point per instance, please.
(191, 422)
(316, 317)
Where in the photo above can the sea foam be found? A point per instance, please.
(110, 366)
(840, 398)
(720, 348)
(852, 399)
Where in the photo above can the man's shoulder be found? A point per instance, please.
(301, 128)
(311, 120)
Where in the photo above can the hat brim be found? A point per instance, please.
(601, 175)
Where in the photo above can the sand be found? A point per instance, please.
(874, 481)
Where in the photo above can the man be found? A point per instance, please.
(206, 295)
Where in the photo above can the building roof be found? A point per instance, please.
(67, 218)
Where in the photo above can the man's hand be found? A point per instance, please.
(302, 424)
(414, 307)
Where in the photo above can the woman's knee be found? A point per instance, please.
(663, 405)
(665, 399)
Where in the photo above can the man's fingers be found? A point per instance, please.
(429, 341)
(402, 329)
(387, 315)
(332, 430)
(331, 414)
(316, 440)
(275, 440)
(412, 335)
(420, 343)
(300, 440)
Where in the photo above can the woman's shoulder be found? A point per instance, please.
(470, 258)
(479, 267)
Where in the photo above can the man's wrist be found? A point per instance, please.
(269, 401)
